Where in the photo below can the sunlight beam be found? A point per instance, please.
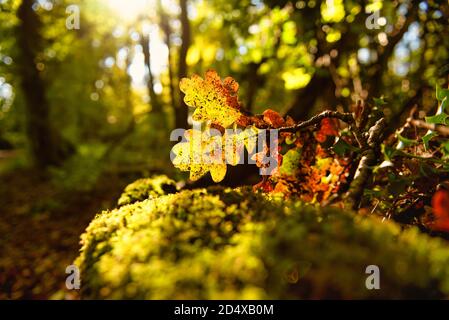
(129, 10)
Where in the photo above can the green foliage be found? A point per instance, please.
(427, 137)
(440, 117)
(437, 119)
(149, 188)
(80, 172)
(341, 147)
(441, 93)
(378, 102)
(236, 244)
(290, 162)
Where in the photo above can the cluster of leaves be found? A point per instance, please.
(216, 104)
(319, 160)
(409, 184)
(310, 169)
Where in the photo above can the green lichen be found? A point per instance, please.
(236, 244)
(149, 188)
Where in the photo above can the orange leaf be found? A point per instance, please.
(264, 185)
(440, 205)
(328, 129)
(273, 118)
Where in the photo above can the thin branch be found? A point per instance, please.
(345, 117)
(369, 143)
(441, 129)
(376, 133)
(368, 160)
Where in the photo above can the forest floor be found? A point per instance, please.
(40, 228)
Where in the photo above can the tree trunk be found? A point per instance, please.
(165, 26)
(306, 98)
(183, 112)
(145, 43)
(46, 146)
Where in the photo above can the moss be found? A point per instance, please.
(147, 189)
(235, 244)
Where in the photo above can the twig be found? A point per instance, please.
(345, 117)
(441, 129)
(369, 143)
(362, 119)
(370, 146)
(368, 160)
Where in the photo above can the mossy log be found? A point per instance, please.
(237, 244)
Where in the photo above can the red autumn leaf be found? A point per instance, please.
(289, 121)
(232, 86)
(273, 118)
(440, 205)
(264, 185)
(328, 129)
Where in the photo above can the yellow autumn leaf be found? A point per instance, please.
(234, 147)
(215, 100)
(200, 154)
(249, 137)
(218, 172)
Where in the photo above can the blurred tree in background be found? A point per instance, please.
(112, 85)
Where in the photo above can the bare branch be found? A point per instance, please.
(345, 117)
(441, 129)
(368, 160)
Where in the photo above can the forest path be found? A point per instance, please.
(40, 228)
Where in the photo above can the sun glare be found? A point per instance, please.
(129, 12)
(129, 9)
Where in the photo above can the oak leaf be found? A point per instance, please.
(202, 152)
(216, 101)
(273, 118)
